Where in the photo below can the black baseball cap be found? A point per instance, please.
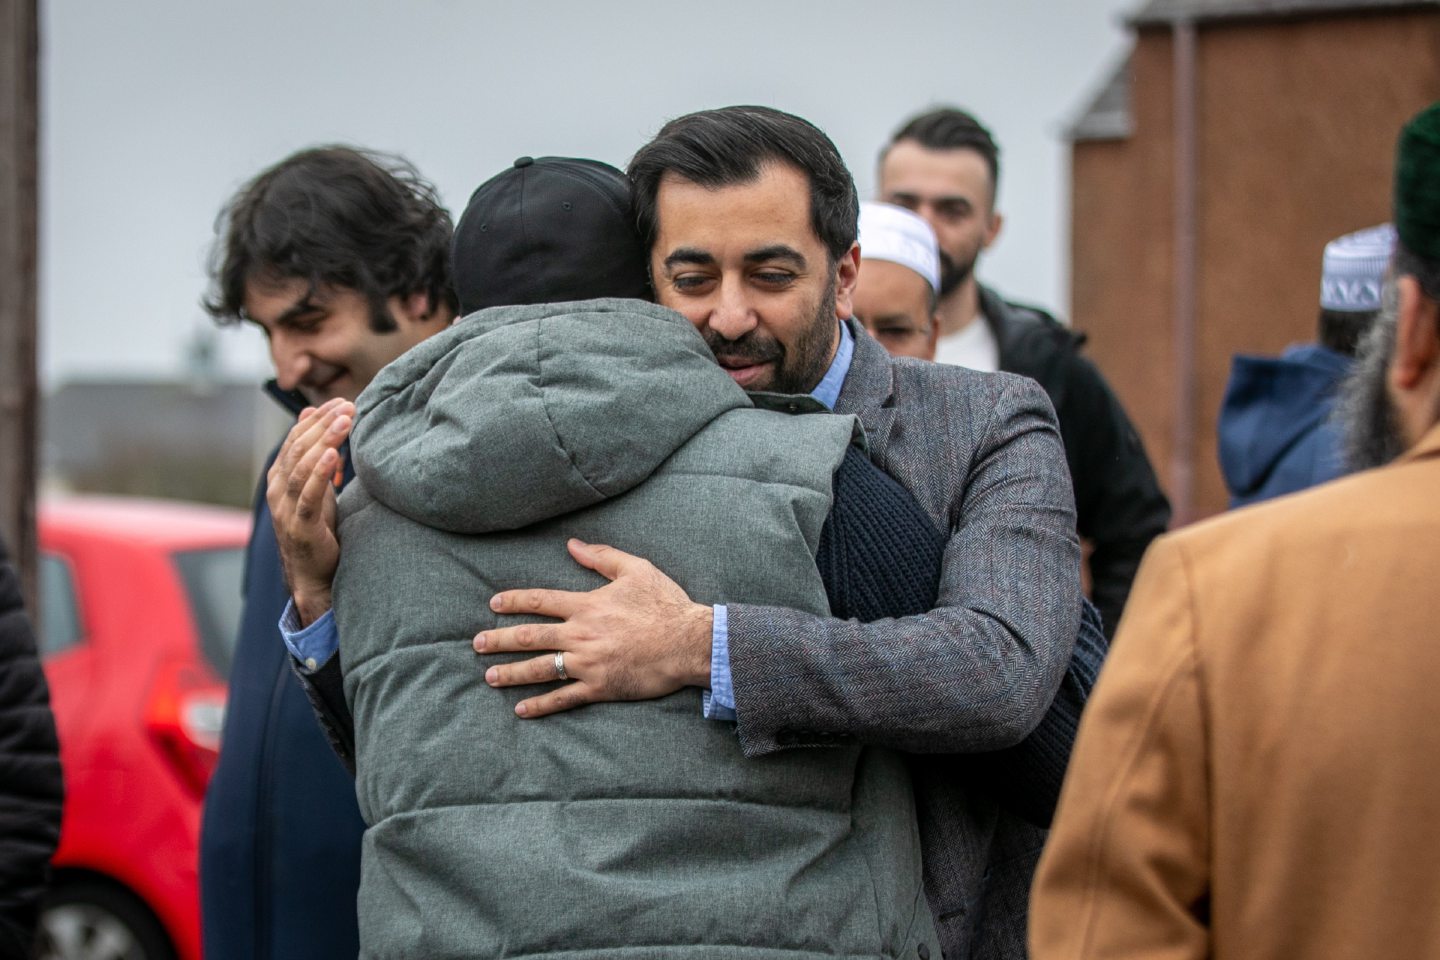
(548, 230)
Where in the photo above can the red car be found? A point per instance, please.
(139, 607)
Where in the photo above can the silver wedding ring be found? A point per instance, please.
(560, 673)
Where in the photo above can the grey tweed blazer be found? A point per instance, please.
(982, 454)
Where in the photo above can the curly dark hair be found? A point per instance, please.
(334, 215)
(728, 146)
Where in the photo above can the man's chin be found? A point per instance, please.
(338, 389)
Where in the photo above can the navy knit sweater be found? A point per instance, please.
(880, 557)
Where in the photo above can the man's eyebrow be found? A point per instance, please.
(777, 251)
(302, 307)
(892, 318)
(914, 197)
(689, 256)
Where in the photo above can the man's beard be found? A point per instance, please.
(953, 272)
(799, 368)
(1365, 411)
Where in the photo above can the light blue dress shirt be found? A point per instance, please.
(719, 700)
(314, 645)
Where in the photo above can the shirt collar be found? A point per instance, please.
(828, 390)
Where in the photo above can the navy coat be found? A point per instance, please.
(280, 841)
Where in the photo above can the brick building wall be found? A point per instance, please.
(1295, 133)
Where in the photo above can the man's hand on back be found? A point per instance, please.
(637, 638)
(300, 489)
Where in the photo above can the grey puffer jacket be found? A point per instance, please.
(618, 830)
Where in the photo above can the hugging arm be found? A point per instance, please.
(978, 671)
(880, 557)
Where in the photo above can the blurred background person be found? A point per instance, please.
(1276, 433)
(342, 258)
(31, 786)
(899, 281)
(1255, 774)
(945, 166)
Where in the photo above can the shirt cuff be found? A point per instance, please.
(719, 700)
(312, 646)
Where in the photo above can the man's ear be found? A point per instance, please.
(1417, 336)
(932, 339)
(992, 229)
(847, 274)
(416, 307)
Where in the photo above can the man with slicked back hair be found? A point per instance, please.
(749, 218)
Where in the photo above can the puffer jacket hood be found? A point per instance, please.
(1275, 435)
(506, 419)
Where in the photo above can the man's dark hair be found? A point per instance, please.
(339, 216)
(1425, 270)
(950, 128)
(728, 146)
(1342, 330)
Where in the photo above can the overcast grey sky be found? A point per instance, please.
(154, 111)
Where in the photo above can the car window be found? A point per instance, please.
(59, 612)
(212, 579)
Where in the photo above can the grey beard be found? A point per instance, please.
(1365, 413)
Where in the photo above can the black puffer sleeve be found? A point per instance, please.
(31, 787)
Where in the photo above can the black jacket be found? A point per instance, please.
(31, 788)
(1119, 506)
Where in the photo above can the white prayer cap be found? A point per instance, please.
(888, 232)
(1354, 269)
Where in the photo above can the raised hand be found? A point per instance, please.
(300, 489)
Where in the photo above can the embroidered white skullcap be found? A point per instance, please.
(888, 232)
(1354, 269)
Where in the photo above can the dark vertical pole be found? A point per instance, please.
(19, 109)
(1182, 460)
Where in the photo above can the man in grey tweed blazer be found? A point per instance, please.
(750, 217)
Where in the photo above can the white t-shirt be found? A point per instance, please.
(974, 347)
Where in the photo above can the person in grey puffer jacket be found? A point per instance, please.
(634, 831)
